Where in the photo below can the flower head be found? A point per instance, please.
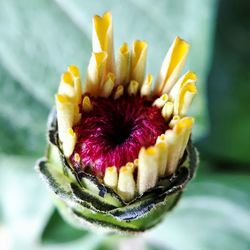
(122, 131)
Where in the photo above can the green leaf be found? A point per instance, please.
(58, 231)
(213, 214)
(22, 118)
(24, 202)
(229, 88)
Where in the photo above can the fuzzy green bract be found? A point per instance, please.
(85, 202)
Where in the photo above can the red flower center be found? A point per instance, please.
(113, 133)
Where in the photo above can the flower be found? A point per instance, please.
(119, 151)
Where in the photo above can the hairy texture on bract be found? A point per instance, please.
(113, 133)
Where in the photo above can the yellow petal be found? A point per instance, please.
(66, 86)
(184, 99)
(172, 66)
(126, 184)
(69, 142)
(162, 150)
(138, 61)
(65, 115)
(96, 73)
(102, 39)
(187, 123)
(122, 65)
(75, 72)
(147, 169)
(177, 139)
(111, 177)
(189, 76)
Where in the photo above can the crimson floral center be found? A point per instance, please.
(114, 131)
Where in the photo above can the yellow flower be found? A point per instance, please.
(171, 94)
(119, 152)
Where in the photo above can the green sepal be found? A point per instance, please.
(84, 200)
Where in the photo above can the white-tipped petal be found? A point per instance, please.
(133, 87)
(162, 150)
(108, 85)
(86, 104)
(96, 73)
(147, 86)
(111, 177)
(69, 142)
(147, 169)
(138, 61)
(119, 92)
(122, 65)
(65, 115)
(172, 66)
(184, 99)
(159, 102)
(66, 86)
(126, 183)
(184, 126)
(167, 110)
(177, 139)
(102, 38)
(174, 144)
(75, 72)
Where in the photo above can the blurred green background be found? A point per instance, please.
(38, 39)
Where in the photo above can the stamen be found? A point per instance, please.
(147, 86)
(86, 104)
(167, 110)
(119, 92)
(108, 85)
(133, 87)
(77, 158)
(159, 102)
(174, 120)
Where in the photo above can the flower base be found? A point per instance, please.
(85, 201)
